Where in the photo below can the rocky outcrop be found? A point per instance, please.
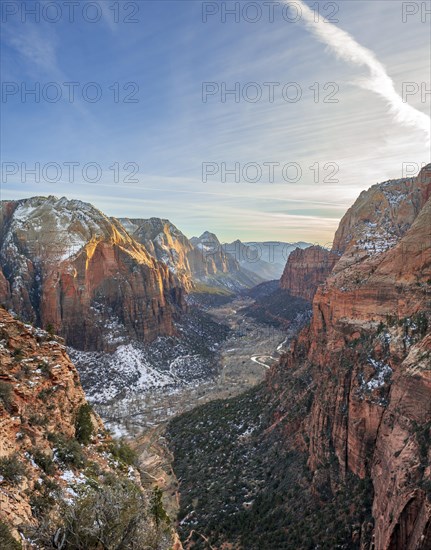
(382, 215)
(32, 365)
(376, 222)
(366, 286)
(369, 351)
(40, 393)
(71, 267)
(306, 269)
(166, 243)
(54, 449)
(4, 286)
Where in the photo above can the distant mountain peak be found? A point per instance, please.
(208, 237)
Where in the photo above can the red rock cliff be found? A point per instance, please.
(368, 351)
(40, 394)
(306, 269)
(71, 267)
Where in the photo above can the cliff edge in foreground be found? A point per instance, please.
(63, 479)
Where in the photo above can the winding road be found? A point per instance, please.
(256, 359)
(259, 359)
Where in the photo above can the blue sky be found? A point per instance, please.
(170, 132)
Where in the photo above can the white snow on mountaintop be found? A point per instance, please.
(55, 227)
(128, 225)
(386, 229)
(23, 212)
(151, 227)
(61, 212)
(395, 197)
(375, 239)
(381, 215)
(26, 207)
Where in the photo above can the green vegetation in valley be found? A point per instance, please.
(242, 484)
(278, 308)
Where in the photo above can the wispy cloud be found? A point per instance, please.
(378, 81)
(171, 132)
(35, 45)
(108, 15)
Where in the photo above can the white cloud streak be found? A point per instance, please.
(378, 81)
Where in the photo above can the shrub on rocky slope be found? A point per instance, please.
(59, 468)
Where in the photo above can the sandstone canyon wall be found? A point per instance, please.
(367, 353)
(306, 269)
(40, 393)
(69, 266)
(166, 243)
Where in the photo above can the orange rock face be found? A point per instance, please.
(41, 394)
(166, 243)
(41, 398)
(306, 269)
(383, 214)
(69, 266)
(368, 349)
